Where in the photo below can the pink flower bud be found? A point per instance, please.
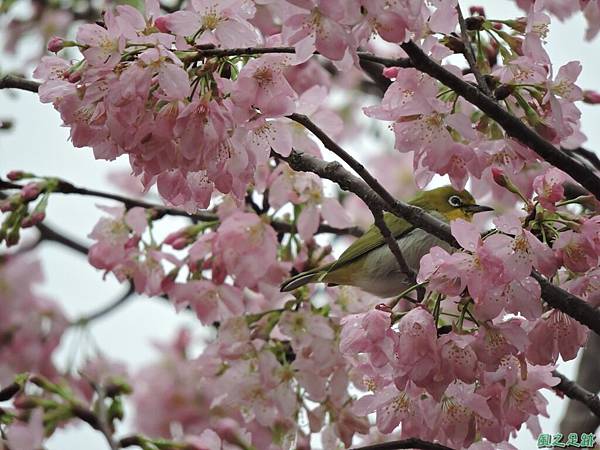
(30, 191)
(477, 10)
(161, 24)
(33, 219)
(499, 177)
(591, 97)
(13, 237)
(383, 307)
(174, 238)
(56, 44)
(391, 72)
(74, 77)
(6, 206)
(15, 175)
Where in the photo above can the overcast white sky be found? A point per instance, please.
(38, 144)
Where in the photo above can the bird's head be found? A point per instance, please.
(449, 202)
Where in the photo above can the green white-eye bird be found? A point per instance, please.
(369, 263)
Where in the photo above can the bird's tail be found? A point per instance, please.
(310, 276)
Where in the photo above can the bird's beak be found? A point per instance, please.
(477, 208)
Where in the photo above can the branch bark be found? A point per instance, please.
(64, 187)
(577, 392)
(553, 295)
(15, 82)
(511, 124)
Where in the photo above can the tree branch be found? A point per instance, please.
(553, 295)
(49, 234)
(335, 172)
(392, 244)
(469, 55)
(568, 303)
(404, 443)
(577, 392)
(578, 418)
(84, 320)
(15, 82)
(64, 187)
(513, 126)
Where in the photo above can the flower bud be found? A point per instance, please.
(503, 91)
(74, 77)
(31, 191)
(518, 25)
(161, 24)
(56, 44)
(6, 206)
(477, 10)
(474, 23)
(383, 307)
(453, 43)
(391, 72)
(591, 97)
(499, 177)
(33, 219)
(16, 175)
(13, 236)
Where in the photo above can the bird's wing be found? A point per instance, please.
(372, 239)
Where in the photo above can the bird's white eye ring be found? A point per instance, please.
(455, 201)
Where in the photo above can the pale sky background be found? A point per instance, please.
(38, 144)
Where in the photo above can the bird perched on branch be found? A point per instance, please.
(370, 264)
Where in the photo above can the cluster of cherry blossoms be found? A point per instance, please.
(202, 102)
(32, 325)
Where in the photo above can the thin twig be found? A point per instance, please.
(48, 233)
(392, 244)
(84, 320)
(512, 125)
(64, 187)
(469, 55)
(331, 145)
(404, 444)
(577, 392)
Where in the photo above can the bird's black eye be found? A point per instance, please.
(455, 201)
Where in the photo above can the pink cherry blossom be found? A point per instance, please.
(549, 188)
(575, 251)
(555, 333)
(318, 25)
(418, 333)
(215, 22)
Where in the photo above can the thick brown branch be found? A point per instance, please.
(576, 392)
(568, 303)
(511, 124)
(335, 172)
(223, 52)
(331, 145)
(65, 187)
(404, 443)
(555, 296)
(15, 82)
